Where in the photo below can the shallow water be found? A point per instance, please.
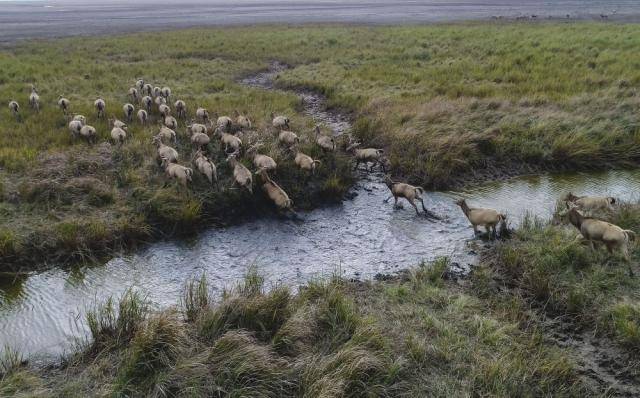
(360, 238)
(42, 313)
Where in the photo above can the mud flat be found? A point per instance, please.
(20, 20)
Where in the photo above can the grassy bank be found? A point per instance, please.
(415, 336)
(62, 200)
(583, 298)
(463, 103)
(449, 103)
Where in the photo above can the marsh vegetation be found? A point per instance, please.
(448, 104)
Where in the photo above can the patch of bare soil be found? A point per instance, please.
(604, 367)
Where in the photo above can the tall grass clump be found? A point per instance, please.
(195, 298)
(112, 327)
(10, 361)
(413, 336)
(247, 307)
(152, 354)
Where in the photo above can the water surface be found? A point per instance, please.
(360, 238)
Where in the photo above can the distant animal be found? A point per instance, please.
(202, 115)
(15, 109)
(487, 218)
(143, 117)
(198, 140)
(166, 92)
(591, 203)
(81, 118)
(280, 122)
(147, 103)
(89, 133)
(277, 195)
(259, 160)
(306, 162)
(181, 109)
(594, 230)
(118, 135)
(229, 141)
(34, 99)
(403, 190)
(197, 128)
(288, 138)
(113, 122)
(166, 134)
(241, 175)
(133, 94)
(206, 167)
(242, 122)
(366, 155)
(128, 110)
(181, 173)
(74, 128)
(165, 153)
(164, 110)
(63, 104)
(100, 106)
(171, 122)
(224, 123)
(147, 89)
(327, 144)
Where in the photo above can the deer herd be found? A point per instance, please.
(230, 132)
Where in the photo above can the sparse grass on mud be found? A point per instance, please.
(546, 267)
(414, 336)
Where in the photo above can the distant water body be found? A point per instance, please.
(20, 20)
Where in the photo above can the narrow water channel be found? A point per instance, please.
(41, 314)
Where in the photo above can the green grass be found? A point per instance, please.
(418, 335)
(68, 201)
(450, 99)
(450, 103)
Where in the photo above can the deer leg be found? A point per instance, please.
(414, 205)
(609, 247)
(395, 202)
(423, 207)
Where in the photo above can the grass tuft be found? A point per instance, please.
(112, 327)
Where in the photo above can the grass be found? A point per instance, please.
(554, 271)
(412, 336)
(68, 201)
(448, 100)
(451, 104)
